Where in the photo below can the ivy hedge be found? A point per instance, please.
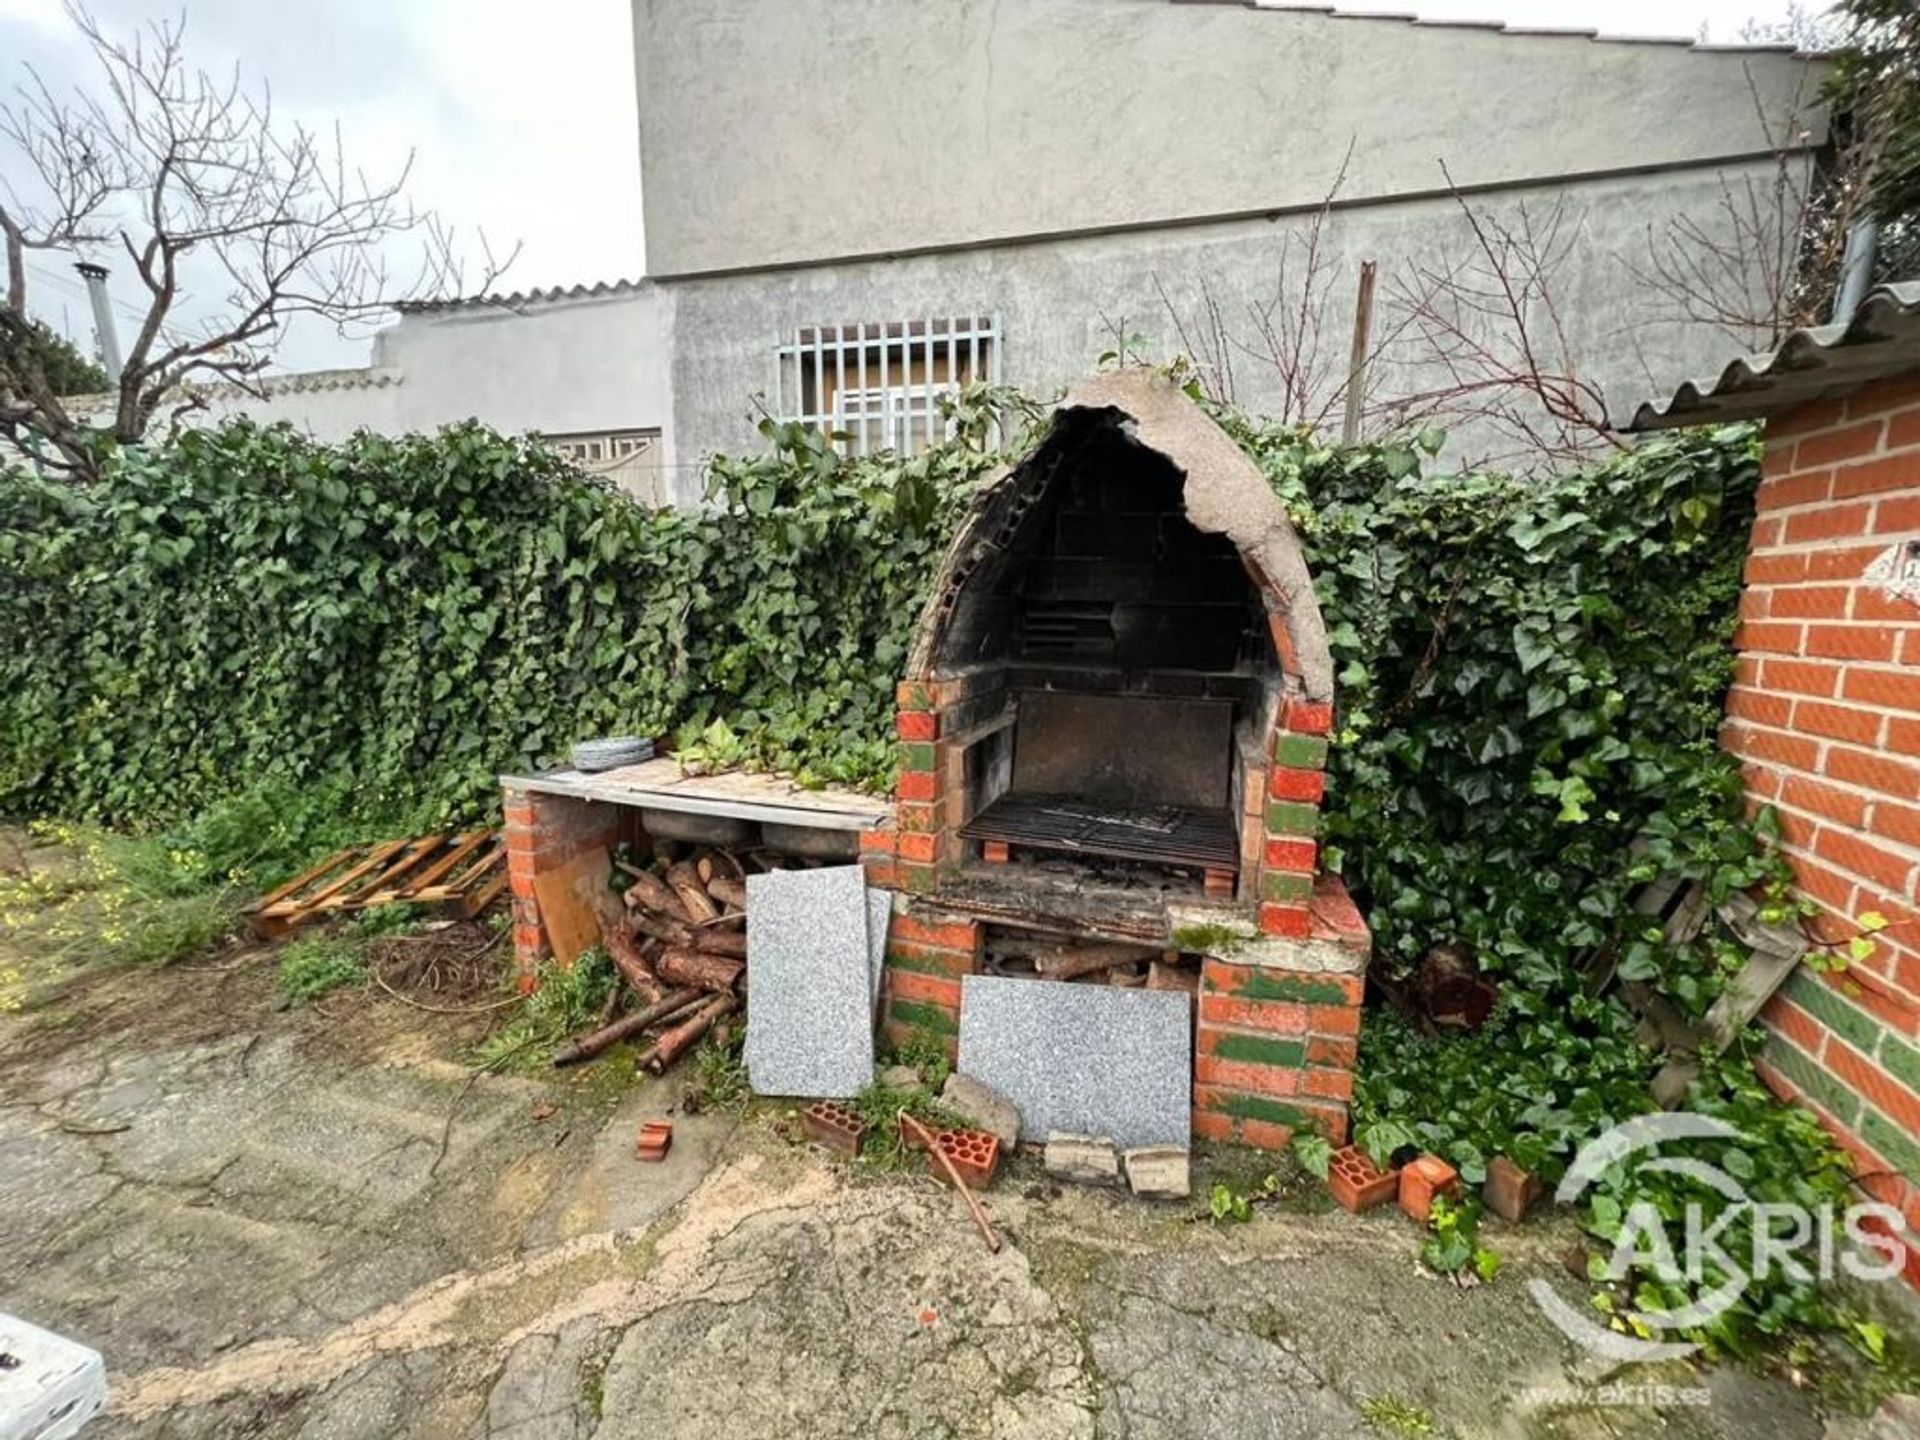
(1531, 676)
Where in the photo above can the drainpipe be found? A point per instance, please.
(96, 278)
(1856, 269)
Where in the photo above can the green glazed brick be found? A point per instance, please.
(1902, 1060)
(1849, 1022)
(1258, 1107)
(1286, 887)
(916, 755)
(922, 1016)
(914, 696)
(1301, 752)
(1827, 1091)
(1891, 1141)
(1265, 985)
(1259, 1049)
(1291, 817)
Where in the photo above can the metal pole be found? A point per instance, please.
(96, 278)
(1856, 269)
(1357, 365)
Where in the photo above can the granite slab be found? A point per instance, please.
(879, 917)
(1087, 1059)
(810, 996)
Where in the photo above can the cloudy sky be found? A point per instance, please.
(520, 116)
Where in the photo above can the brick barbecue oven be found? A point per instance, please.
(1113, 732)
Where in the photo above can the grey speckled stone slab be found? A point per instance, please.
(1092, 1059)
(879, 917)
(810, 983)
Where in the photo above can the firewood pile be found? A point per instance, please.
(680, 950)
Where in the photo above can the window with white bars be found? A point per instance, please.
(629, 458)
(879, 383)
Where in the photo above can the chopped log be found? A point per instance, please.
(706, 972)
(685, 880)
(727, 865)
(677, 1041)
(731, 943)
(650, 892)
(630, 961)
(589, 1046)
(657, 927)
(728, 891)
(1085, 959)
(610, 1006)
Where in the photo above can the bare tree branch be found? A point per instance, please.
(211, 199)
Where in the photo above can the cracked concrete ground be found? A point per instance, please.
(319, 1224)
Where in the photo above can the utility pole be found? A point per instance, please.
(96, 278)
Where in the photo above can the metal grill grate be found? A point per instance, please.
(1160, 834)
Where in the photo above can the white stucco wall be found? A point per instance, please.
(559, 366)
(778, 132)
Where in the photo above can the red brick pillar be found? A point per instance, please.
(928, 951)
(1295, 784)
(544, 832)
(1278, 1030)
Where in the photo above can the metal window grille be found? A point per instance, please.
(629, 458)
(879, 384)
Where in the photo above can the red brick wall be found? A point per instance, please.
(1825, 715)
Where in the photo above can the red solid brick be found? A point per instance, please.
(1903, 430)
(1840, 562)
(1777, 637)
(1801, 677)
(917, 785)
(1897, 515)
(1896, 822)
(1910, 648)
(1325, 1050)
(1847, 443)
(1827, 801)
(919, 848)
(1766, 532)
(1780, 568)
(1796, 752)
(1889, 689)
(917, 725)
(1269, 1017)
(1871, 477)
(1294, 922)
(1803, 487)
(1292, 854)
(958, 935)
(1333, 1020)
(1852, 642)
(1878, 863)
(1872, 771)
(929, 989)
(1796, 1024)
(879, 841)
(1838, 722)
(1328, 1084)
(1817, 415)
(1903, 737)
(1210, 1125)
(1829, 522)
(1810, 602)
(1761, 782)
(1863, 1077)
(1256, 1079)
(912, 955)
(1755, 602)
(1304, 785)
(1309, 717)
(1747, 703)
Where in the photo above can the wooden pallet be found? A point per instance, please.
(457, 875)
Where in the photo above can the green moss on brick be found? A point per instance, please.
(1259, 1049)
(1286, 887)
(1300, 752)
(1259, 1107)
(922, 1016)
(1849, 1022)
(1291, 817)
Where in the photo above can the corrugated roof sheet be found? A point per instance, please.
(518, 298)
(1881, 340)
